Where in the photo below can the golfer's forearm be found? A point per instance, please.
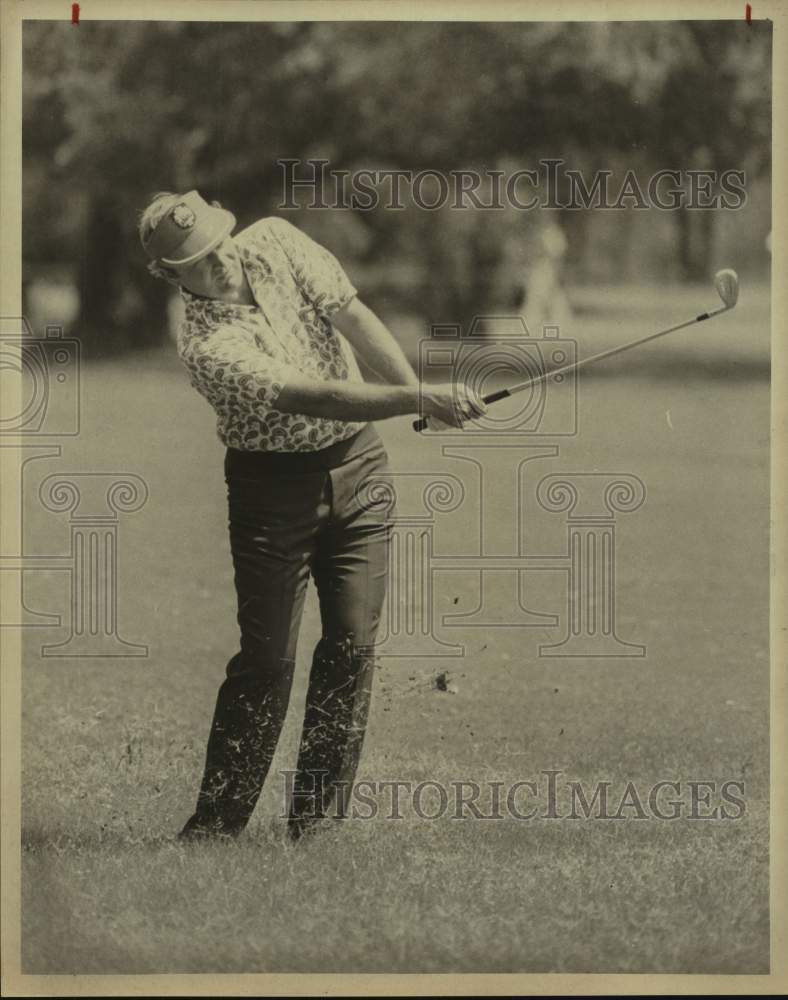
(337, 400)
(374, 343)
(384, 355)
(391, 365)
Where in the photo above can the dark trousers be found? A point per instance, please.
(292, 515)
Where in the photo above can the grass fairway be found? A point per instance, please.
(113, 749)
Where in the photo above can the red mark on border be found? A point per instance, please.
(748, 13)
(75, 13)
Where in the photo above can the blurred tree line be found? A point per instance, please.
(114, 111)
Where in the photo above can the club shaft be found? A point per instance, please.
(576, 365)
(492, 397)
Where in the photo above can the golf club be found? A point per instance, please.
(726, 282)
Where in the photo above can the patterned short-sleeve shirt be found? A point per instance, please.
(239, 357)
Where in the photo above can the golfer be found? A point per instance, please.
(260, 342)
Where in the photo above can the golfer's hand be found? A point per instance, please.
(436, 424)
(451, 405)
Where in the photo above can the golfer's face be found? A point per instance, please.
(215, 275)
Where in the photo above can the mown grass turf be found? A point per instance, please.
(112, 750)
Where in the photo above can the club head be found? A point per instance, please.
(726, 282)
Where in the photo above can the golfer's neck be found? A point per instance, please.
(242, 297)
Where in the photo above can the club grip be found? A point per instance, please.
(491, 397)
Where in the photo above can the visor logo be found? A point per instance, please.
(183, 216)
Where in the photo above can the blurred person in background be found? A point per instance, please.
(260, 343)
(531, 274)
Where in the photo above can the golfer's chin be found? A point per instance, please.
(226, 283)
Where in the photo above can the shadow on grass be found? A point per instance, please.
(273, 835)
(36, 838)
